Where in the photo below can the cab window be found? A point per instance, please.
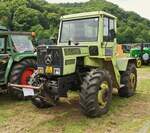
(2, 45)
(109, 25)
(2, 42)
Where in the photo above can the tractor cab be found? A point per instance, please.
(11, 45)
(16, 42)
(96, 30)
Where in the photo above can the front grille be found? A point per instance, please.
(56, 55)
(49, 56)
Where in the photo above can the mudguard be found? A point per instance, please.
(122, 63)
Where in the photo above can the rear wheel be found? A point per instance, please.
(20, 74)
(96, 93)
(129, 80)
(138, 63)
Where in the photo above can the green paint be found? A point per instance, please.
(8, 46)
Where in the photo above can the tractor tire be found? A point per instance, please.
(129, 80)
(96, 93)
(138, 63)
(20, 74)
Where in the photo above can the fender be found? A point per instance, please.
(122, 63)
(20, 56)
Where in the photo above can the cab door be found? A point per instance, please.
(4, 57)
(109, 41)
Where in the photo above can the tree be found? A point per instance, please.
(8, 9)
(30, 15)
(25, 18)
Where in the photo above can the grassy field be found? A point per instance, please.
(130, 115)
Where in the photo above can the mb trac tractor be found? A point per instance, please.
(141, 53)
(84, 60)
(17, 60)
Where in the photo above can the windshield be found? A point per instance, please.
(83, 30)
(22, 43)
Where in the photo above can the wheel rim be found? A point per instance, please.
(26, 75)
(139, 63)
(132, 80)
(103, 94)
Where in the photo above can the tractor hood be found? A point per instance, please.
(62, 58)
(75, 51)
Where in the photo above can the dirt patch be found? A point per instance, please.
(25, 119)
(29, 117)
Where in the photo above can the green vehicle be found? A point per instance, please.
(141, 53)
(17, 60)
(84, 60)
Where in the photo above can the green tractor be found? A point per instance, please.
(84, 60)
(17, 60)
(141, 53)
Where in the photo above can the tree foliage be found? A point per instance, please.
(43, 18)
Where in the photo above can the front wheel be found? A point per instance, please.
(20, 74)
(96, 93)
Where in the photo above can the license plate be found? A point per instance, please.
(28, 92)
(49, 69)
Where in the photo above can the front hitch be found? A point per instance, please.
(27, 90)
(16, 86)
(37, 99)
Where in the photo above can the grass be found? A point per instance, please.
(126, 115)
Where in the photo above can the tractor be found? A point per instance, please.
(83, 60)
(141, 53)
(17, 60)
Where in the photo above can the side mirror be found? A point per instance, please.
(112, 34)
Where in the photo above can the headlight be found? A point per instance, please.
(40, 70)
(57, 71)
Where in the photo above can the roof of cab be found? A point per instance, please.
(86, 14)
